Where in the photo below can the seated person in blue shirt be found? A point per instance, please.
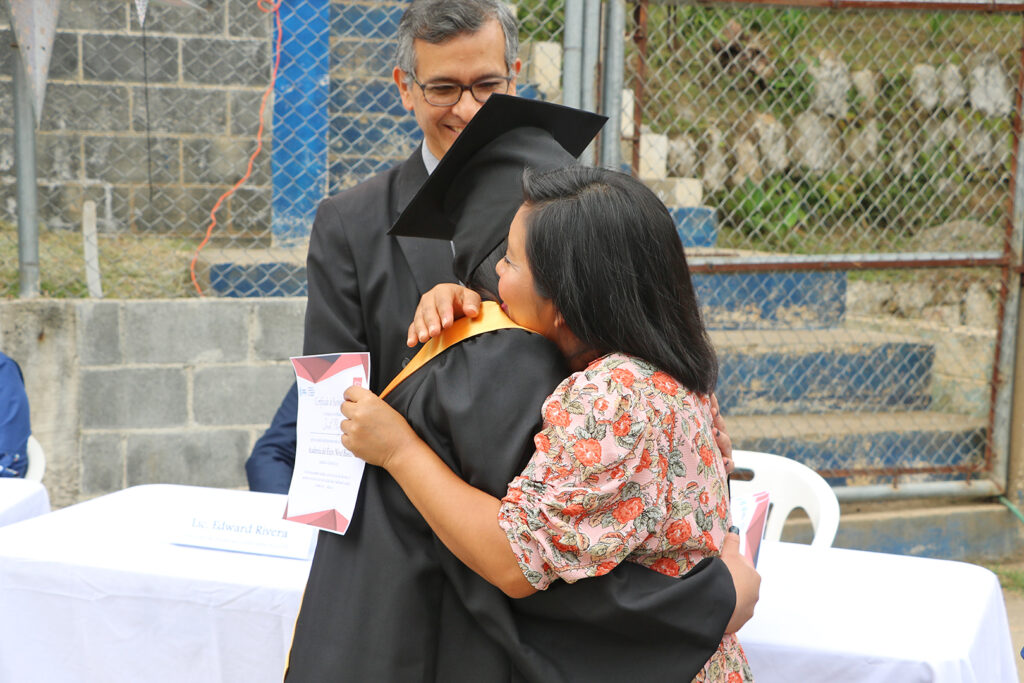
(269, 467)
(14, 420)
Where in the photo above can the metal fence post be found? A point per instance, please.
(611, 81)
(572, 64)
(25, 163)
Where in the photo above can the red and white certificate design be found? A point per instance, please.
(326, 479)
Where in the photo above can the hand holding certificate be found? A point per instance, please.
(326, 477)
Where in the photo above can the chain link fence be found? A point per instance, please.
(828, 141)
(842, 179)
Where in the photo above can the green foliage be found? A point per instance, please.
(771, 212)
(541, 19)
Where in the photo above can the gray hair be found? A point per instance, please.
(437, 21)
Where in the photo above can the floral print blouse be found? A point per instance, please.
(625, 468)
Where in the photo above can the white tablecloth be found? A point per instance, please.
(95, 592)
(21, 499)
(846, 615)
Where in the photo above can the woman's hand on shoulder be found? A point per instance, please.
(372, 430)
(439, 308)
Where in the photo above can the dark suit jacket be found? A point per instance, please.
(388, 602)
(364, 285)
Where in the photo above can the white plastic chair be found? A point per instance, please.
(790, 485)
(36, 460)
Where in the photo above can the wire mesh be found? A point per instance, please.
(783, 135)
(819, 135)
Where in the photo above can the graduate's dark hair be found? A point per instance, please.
(605, 250)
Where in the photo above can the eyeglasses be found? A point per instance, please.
(447, 94)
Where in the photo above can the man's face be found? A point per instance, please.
(464, 60)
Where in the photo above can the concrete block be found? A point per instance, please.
(63, 59)
(677, 193)
(85, 107)
(105, 15)
(99, 333)
(653, 155)
(361, 58)
(179, 110)
(365, 20)
(239, 395)
(102, 463)
(196, 458)
(113, 212)
(251, 214)
(246, 20)
(222, 161)
(278, 328)
(174, 209)
(226, 62)
(133, 398)
(202, 19)
(120, 159)
(58, 156)
(120, 58)
(542, 62)
(245, 113)
(185, 331)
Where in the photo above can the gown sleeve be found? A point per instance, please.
(481, 407)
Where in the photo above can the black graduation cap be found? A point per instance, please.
(474, 192)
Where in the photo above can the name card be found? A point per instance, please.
(279, 538)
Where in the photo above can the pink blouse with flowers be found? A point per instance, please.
(626, 468)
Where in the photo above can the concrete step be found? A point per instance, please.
(839, 444)
(253, 272)
(976, 532)
(817, 371)
(780, 300)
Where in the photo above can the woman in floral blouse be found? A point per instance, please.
(626, 467)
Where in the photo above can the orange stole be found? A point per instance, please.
(491, 318)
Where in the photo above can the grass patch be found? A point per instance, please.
(1011, 576)
(131, 266)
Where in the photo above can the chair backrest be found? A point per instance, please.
(36, 460)
(790, 485)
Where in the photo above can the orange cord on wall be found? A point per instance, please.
(267, 7)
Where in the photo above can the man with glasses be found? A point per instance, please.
(364, 285)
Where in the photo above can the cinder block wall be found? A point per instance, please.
(202, 77)
(133, 392)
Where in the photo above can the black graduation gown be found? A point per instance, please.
(388, 602)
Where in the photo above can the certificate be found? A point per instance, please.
(326, 477)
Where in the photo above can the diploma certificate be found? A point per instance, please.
(326, 477)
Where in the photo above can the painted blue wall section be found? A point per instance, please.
(259, 279)
(299, 157)
(794, 300)
(886, 376)
(697, 225)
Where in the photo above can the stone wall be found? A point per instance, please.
(176, 106)
(134, 392)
